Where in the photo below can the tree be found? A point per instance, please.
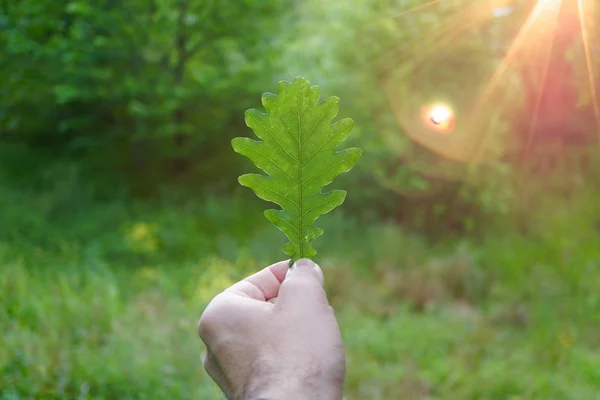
(147, 84)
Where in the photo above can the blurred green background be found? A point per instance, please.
(462, 265)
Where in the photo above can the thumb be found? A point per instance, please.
(303, 285)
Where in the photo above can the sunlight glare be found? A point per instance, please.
(550, 3)
(440, 114)
(588, 59)
(417, 8)
(515, 46)
(439, 117)
(541, 7)
(538, 101)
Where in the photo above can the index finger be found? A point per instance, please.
(263, 285)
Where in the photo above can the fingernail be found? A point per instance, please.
(303, 263)
(306, 264)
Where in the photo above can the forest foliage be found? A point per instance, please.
(145, 95)
(461, 266)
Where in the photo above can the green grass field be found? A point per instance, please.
(101, 301)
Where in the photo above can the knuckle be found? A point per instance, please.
(207, 324)
(209, 319)
(202, 327)
(206, 362)
(215, 316)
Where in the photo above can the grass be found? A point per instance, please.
(100, 301)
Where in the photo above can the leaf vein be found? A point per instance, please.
(317, 206)
(277, 193)
(273, 162)
(275, 138)
(286, 125)
(324, 170)
(288, 224)
(322, 145)
(310, 133)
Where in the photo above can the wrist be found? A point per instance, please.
(277, 391)
(293, 385)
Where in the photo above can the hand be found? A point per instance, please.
(273, 336)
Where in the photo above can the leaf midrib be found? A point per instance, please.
(300, 168)
(302, 163)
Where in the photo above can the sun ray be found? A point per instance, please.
(514, 48)
(588, 59)
(538, 101)
(461, 21)
(394, 16)
(508, 58)
(417, 8)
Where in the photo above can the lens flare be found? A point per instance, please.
(550, 3)
(529, 33)
(438, 117)
(589, 63)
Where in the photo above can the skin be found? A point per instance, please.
(274, 336)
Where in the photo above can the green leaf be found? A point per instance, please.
(298, 152)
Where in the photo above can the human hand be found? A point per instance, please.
(274, 336)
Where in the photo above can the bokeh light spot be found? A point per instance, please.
(440, 114)
(439, 117)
